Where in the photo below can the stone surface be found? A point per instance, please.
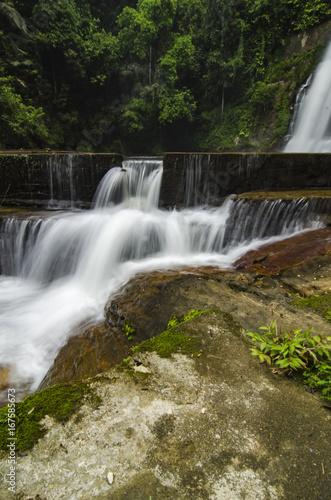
(285, 195)
(218, 426)
(188, 178)
(93, 351)
(288, 253)
(308, 40)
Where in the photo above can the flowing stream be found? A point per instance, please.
(311, 128)
(57, 272)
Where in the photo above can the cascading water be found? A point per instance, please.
(57, 273)
(312, 125)
(62, 183)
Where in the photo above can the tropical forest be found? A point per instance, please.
(150, 76)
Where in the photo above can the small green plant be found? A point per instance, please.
(319, 377)
(126, 362)
(296, 350)
(291, 350)
(128, 330)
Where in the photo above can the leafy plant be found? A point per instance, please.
(319, 377)
(126, 362)
(290, 350)
(296, 350)
(128, 330)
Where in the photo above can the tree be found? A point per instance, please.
(22, 125)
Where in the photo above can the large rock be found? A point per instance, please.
(217, 426)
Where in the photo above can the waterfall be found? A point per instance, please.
(137, 184)
(62, 182)
(58, 272)
(312, 125)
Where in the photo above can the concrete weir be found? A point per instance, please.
(205, 178)
(42, 179)
(65, 179)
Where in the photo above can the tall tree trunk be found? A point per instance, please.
(150, 66)
(54, 75)
(223, 90)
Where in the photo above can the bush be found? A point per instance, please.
(296, 350)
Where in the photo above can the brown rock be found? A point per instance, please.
(93, 351)
(4, 377)
(276, 257)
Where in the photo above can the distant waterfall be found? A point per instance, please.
(312, 125)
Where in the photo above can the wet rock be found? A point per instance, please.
(94, 351)
(289, 253)
(4, 377)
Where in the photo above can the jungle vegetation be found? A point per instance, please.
(147, 76)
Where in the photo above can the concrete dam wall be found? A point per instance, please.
(206, 178)
(189, 179)
(52, 179)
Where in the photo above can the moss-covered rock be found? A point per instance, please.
(59, 402)
(319, 303)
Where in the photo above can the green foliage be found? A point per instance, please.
(21, 123)
(290, 350)
(296, 350)
(128, 330)
(176, 105)
(58, 402)
(179, 57)
(151, 68)
(319, 377)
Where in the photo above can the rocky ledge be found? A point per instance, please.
(207, 422)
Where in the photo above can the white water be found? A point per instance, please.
(60, 278)
(312, 126)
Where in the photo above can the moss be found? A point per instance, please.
(168, 343)
(234, 327)
(58, 402)
(319, 303)
(172, 341)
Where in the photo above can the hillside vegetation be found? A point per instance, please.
(151, 75)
